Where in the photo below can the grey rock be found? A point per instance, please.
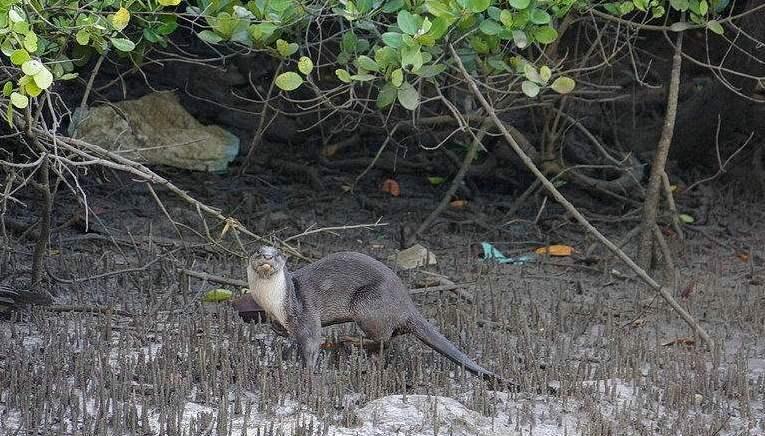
(156, 129)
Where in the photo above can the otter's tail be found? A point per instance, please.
(428, 334)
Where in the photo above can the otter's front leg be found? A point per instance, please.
(279, 329)
(308, 336)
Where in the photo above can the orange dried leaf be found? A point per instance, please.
(743, 256)
(555, 250)
(458, 204)
(391, 187)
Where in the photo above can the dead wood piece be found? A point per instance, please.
(651, 203)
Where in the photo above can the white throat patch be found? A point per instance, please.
(270, 294)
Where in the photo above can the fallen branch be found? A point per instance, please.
(214, 278)
(664, 292)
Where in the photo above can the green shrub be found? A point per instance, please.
(391, 45)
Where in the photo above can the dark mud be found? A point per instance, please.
(163, 363)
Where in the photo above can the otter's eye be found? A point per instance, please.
(267, 256)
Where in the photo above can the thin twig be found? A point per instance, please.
(332, 229)
(214, 278)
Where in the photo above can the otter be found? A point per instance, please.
(343, 287)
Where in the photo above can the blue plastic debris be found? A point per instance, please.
(490, 252)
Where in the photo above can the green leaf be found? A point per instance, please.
(506, 18)
(498, 64)
(120, 19)
(21, 27)
(478, 6)
(531, 73)
(519, 4)
(207, 36)
(43, 79)
(168, 26)
(150, 35)
(435, 181)
(217, 296)
(392, 6)
(408, 96)
(18, 57)
(545, 73)
(563, 85)
(715, 27)
(83, 37)
(438, 8)
(286, 49)
(122, 44)
(428, 71)
(363, 77)
(397, 77)
(539, 16)
(407, 22)
(520, 38)
(305, 65)
(680, 5)
(386, 56)
(367, 63)
(349, 42)
(343, 75)
(32, 67)
(387, 96)
(288, 81)
(490, 27)
(7, 89)
(15, 15)
(411, 56)
(392, 39)
(30, 42)
(169, 2)
(686, 219)
(18, 100)
(545, 35)
(440, 27)
(641, 5)
(529, 88)
(626, 7)
(260, 32)
(69, 76)
(32, 89)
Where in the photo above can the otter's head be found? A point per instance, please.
(266, 262)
